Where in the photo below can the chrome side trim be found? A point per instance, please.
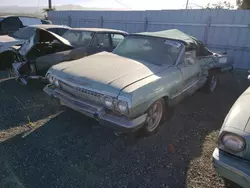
(186, 89)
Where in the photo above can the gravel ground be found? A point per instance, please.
(42, 145)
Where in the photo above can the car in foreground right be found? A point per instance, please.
(231, 158)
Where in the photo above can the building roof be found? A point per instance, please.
(174, 34)
(99, 30)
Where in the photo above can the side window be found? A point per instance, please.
(29, 21)
(102, 40)
(11, 24)
(72, 37)
(189, 57)
(85, 38)
(116, 39)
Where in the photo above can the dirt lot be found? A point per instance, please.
(43, 146)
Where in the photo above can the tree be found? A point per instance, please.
(243, 4)
(220, 5)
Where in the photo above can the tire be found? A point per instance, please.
(156, 115)
(211, 84)
(230, 184)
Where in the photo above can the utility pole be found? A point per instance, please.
(50, 4)
(187, 4)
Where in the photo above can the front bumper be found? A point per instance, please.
(119, 123)
(24, 78)
(232, 168)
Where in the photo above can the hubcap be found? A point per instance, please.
(213, 83)
(154, 116)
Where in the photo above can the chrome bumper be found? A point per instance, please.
(24, 79)
(119, 123)
(232, 168)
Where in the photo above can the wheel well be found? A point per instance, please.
(166, 99)
(6, 60)
(214, 71)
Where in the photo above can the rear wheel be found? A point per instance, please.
(211, 84)
(156, 114)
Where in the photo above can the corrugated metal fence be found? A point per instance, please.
(221, 30)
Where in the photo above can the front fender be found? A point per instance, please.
(144, 93)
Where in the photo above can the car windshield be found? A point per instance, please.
(78, 38)
(149, 49)
(24, 33)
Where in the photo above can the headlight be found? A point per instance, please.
(56, 82)
(108, 102)
(50, 78)
(233, 142)
(122, 107)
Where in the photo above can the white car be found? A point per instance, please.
(8, 43)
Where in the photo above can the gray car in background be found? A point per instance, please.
(46, 49)
(10, 24)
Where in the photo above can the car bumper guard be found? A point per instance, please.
(119, 123)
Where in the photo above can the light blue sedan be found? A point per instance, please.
(232, 157)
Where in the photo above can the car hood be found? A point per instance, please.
(7, 41)
(7, 38)
(42, 35)
(104, 71)
(238, 116)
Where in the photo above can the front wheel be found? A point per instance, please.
(156, 114)
(211, 84)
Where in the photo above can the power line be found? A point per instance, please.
(122, 4)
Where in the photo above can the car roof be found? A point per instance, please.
(6, 16)
(99, 30)
(173, 34)
(48, 26)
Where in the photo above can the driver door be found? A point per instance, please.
(191, 73)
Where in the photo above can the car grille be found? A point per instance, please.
(82, 93)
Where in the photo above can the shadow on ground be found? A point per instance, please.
(71, 150)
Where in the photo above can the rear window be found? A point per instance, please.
(24, 33)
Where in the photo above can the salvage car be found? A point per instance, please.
(9, 43)
(45, 49)
(10, 24)
(232, 156)
(132, 88)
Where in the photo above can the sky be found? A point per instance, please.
(133, 4)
